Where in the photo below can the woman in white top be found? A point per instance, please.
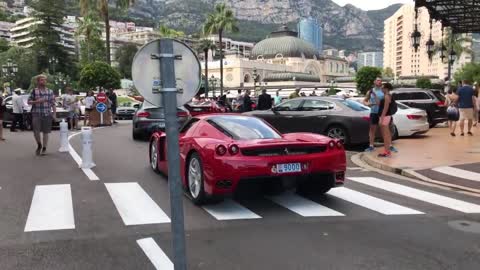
(89, 105)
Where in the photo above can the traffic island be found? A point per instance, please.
(435, 158)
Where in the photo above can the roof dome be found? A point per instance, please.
(284, 42)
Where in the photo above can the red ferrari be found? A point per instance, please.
(220, 153)
(204, 107)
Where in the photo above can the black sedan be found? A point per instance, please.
(339, 118)
(149, 118)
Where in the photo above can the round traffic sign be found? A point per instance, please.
(101, 97)
(101, 107)
(147, 78)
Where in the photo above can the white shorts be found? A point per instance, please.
(466, 114)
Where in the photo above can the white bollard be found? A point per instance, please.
(63, 136)
(87, 142)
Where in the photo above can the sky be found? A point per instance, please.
(372, 4)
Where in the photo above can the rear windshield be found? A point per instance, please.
(402, 106)
(439, 96)
(354, 105)
(243, 127)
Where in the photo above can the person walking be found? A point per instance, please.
(466, 105)
(476, 108)
(277, 99)
(247, 102)
(113, 100)
(386, 108)
(43, 111)
(69, 104)
(453, 115)
(295, 94)
(17, 110)
(89, 102)
(239, 101)
(2, 109)
(373, 99)
(264, 101)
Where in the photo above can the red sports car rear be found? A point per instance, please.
(222, 154)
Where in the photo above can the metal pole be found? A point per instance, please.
(449, 60)
(169, 96)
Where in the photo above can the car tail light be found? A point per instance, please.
(143, 114)
(414, 116)
(366, 118)
(440, 103)
(221, 150)
(339, 145)
(233, 149)
(182, 114)
(331, 144)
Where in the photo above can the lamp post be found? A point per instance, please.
(53, 61)
(451, 60)
(213, 82)
(416, 35)
(255, 80)
(9, 71)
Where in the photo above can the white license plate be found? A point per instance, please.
(289, 168)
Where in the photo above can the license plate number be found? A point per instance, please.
(289, 168)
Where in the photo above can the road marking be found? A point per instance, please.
(421, 195)
(156, 255)
(88, 172)
(134, 205)
(51, 209)
(229, 210)
(303, 207)
(458, 173)
(372, 203)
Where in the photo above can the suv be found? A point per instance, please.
(433, 102)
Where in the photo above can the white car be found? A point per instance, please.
(410, 121)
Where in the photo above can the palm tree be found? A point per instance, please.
(102, 6)
(90, 29)
(170, 32)
(459, 43)
(205, 46)
(219, 22)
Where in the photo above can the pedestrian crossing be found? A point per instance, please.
(52, 205)
(460, 173)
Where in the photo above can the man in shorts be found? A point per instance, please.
(466, 106)
(373, 99)
(70, 104)
(43, 111)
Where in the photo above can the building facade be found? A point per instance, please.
(231, 46)
(310, 30)
(5, 30)
(400, 56)
(370, 59)
(22, 34)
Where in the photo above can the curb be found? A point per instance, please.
(412, 174)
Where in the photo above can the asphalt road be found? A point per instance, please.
(53, 217)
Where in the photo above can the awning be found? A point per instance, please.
(461, 15)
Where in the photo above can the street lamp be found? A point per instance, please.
(430, 43)
(213, 82)
(9, 71)
(255, 80)
(52, 62)
(416, 35)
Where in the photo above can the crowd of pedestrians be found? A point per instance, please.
(463, 106)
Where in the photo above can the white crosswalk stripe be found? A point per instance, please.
(230, 210)
(372, 203)
(156, 255)
(303, 207)
(418, 194)
(134, 205)
(51, 209)
(458, 173)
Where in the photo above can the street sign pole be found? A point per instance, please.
(101, 119)
(169, 98)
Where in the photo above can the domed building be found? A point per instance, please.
(283, 60)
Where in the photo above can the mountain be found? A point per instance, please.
(345, 27)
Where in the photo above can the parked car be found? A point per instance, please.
(204, 107)
(150, 118)
(433, 102)
(61, 113)
(343, 119)
(219, 153)
(410, 121)
(126, 111)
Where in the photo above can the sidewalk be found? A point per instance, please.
(435, 157)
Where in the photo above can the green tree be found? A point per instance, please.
(99, 74)
(470, 71)
(170, 32)
(92, 48)
(222, 20)
(102, 6)
(124, 56)
(204, 46)
(26, 62)
(460, 43)
(388, 72)
(424, 83)
(366, 77)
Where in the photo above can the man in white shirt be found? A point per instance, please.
(17, 110)
(70, 104)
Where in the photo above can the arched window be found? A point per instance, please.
(279, 56)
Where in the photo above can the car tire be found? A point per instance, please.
(137, 136)
(154, 156)
(430, 121)
(194, 177)
(313, 187)
(337, 132)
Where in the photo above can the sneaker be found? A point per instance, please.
(393, 149)
(470, 133)
(370, 149)
(39, 148)
(44, 151)
(385, 154)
